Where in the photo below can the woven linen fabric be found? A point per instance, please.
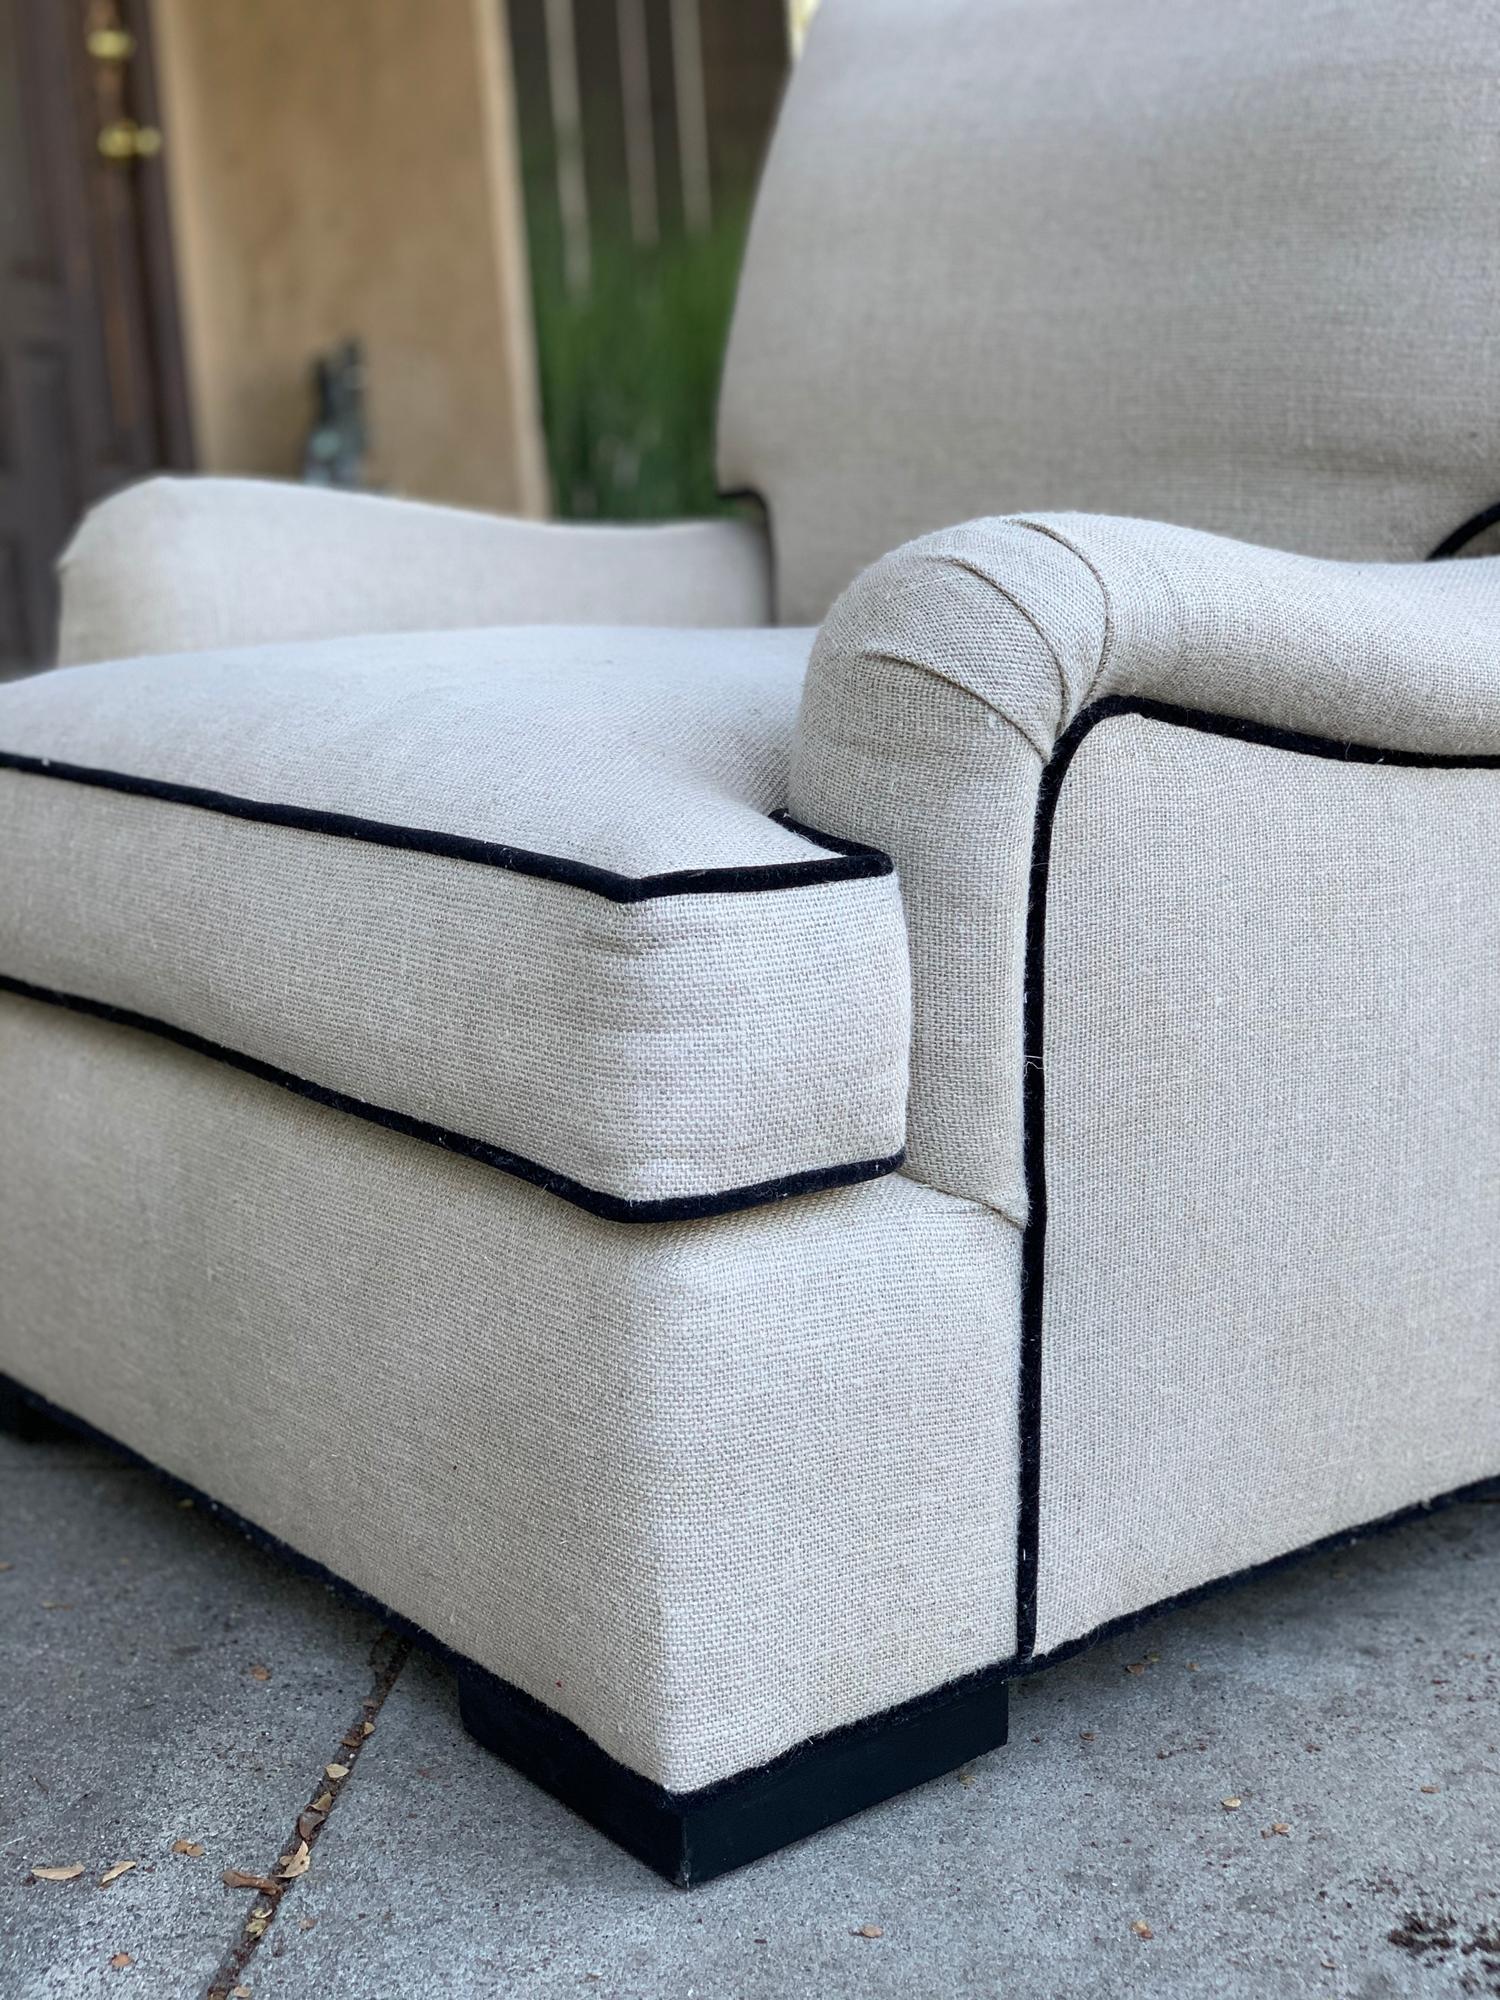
(706, 1490)
(943, 679)
(686, 1045)
(1229, 265)
(183, 565)
(1272, 1270)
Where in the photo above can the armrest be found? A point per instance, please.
(181, 565)
(946, 680)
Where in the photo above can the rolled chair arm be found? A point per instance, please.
(946, 680)
(182, 565)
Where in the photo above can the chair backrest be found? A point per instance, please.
(1228, 263)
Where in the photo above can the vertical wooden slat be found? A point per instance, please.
(640, 124)
(692, 115)
(567, 128)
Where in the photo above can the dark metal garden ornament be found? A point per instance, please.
(334, 454)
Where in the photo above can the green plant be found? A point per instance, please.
(630, 370)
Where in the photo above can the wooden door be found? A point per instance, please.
(91, 384)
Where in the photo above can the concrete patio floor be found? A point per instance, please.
(165, 1682)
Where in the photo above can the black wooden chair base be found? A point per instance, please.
(690, 1837)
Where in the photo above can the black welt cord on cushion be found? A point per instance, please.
(1466, 532)
(841, 861)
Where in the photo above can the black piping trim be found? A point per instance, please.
(829, 840)
(1210, 723)
(613, 1208)
(734, 496)
(846, 862)
(740, 496)
(1034, 1086)
(756, 1811)
(1341, 1538)
(1465, 532)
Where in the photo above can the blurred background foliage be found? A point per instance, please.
(643, 124)
(629, 369)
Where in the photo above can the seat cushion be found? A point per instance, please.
(518, 893)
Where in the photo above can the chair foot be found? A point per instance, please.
(690, 1837)
(22, 1417)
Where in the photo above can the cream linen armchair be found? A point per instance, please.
(755, 1201)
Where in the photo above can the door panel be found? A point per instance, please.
(91, 391)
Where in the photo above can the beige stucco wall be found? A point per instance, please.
(344, 167)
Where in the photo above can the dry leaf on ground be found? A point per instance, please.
(193, 1847)
(308, 1822)
(239, 1993)
(241, 1878)
(255, 1923)
(1231, 1805)
(337, 1770)
(260, 1673)
(68, 1874)
(113, 1874)
(868, 1930)
(322, 1802)
(120, 1960)
(295, 1864)
(1142, 1930)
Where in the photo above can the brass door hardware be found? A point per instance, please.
(122, 139)
(110, 45)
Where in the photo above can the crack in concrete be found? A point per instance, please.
(388, 1655)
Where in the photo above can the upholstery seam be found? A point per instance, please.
(1009, 597)
(977, 1204)
(959, 687)
(847, 860)
(596, 1201)
(1107, 638)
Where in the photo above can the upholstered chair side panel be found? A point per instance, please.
(706, 1489)
(1271, 1279)
(180, 565)
(1198, 845)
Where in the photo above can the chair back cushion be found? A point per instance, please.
(1232, 265)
